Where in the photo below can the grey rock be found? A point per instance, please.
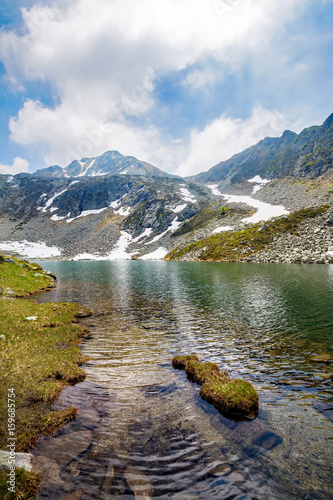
(65, 448)
(49, 469)
(23, 460)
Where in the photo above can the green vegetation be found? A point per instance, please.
(27, 485)
(233, 398)
(206, 214)
(22, 277)
(235, 245)
(39, 355)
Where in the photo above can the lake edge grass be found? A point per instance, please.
(39, 356)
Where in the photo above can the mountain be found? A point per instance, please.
(95, 215)
(308, 154)
(109, 163)
(113, 206)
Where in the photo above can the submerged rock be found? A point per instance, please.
(65, 448)
(322, 358)
(232, 398)
(139, 484)
(109, 476)
(49, 469)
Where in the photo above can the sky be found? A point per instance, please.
(182, 84)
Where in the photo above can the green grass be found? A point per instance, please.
(37, 357)
(22, 277)
(27, 485)
(235, 397)
(234, 245)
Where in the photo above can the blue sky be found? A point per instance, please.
(182, 84)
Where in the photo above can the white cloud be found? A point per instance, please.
(225, 137)
(101, 59)
(199, 79)
(19, 165)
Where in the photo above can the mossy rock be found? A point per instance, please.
(233, 398)
(237, 398)
(179, 362)
(201, 372)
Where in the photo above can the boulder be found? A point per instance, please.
(23, 460)
(65, 448)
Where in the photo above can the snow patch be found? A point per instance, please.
(186, 195)
(265, 211)
(178, 209)
(222, 228)
(260, 183)
(119, 252)
(30, 249)
(85, 167)
(123, 211)
(174, 225)
(114, 204)
(87, 256)
(51, 200)
(57, 217)
(158, 254)
(147, 232)
(84, 213)
(214, 190)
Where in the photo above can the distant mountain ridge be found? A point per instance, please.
(109, 163)
(308, 154)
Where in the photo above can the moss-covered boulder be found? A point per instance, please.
(233, 398)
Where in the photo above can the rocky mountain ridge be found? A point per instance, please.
(109, 163)
(308, 154)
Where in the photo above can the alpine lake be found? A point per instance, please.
(143, 431)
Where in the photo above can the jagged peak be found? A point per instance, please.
(328, 123)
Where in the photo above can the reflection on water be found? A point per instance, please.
(143, 431)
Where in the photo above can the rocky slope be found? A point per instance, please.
(305, 236)
(94, 215)
(308, 154)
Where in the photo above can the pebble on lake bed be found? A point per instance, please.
(322, 358)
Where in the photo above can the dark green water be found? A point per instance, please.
(150, 433)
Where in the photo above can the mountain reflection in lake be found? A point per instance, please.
(143, 431)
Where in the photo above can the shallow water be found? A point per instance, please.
(142, 428)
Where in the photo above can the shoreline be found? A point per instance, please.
(40, 356)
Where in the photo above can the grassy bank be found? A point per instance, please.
(233, 245)
(39, 355)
